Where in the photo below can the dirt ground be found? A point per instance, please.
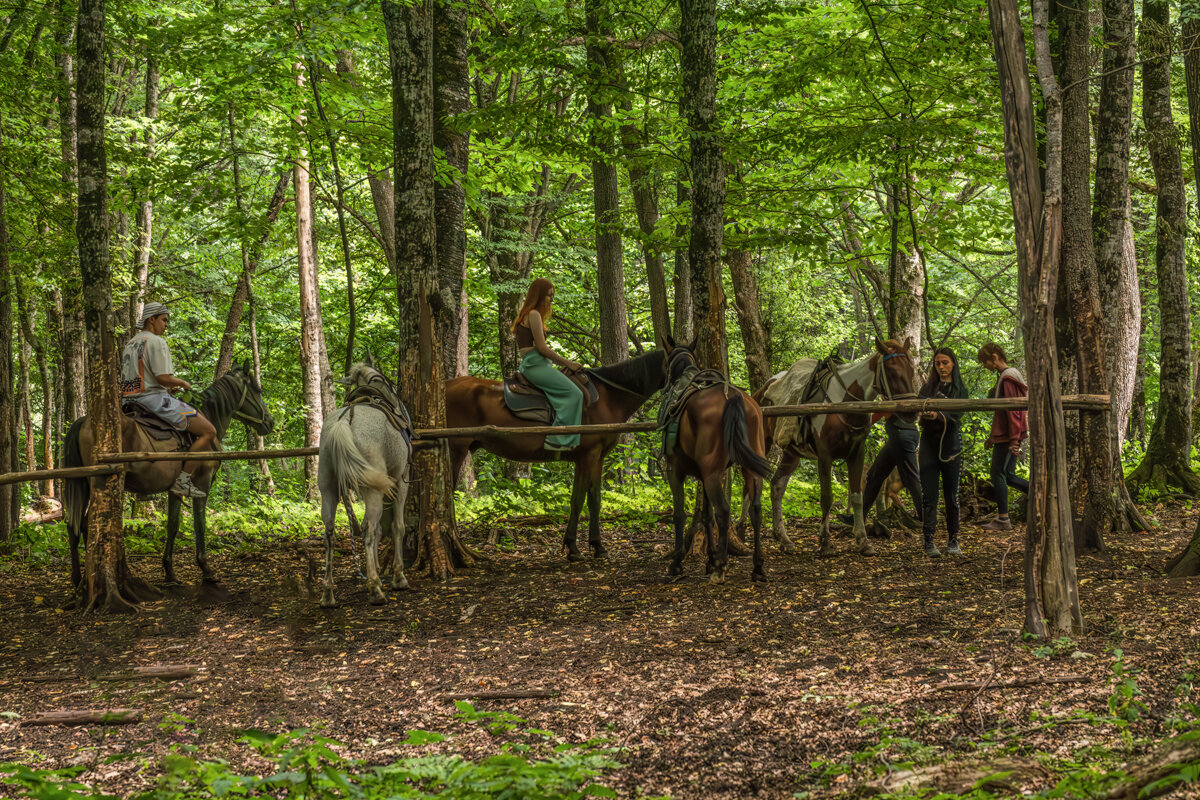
(714, 691)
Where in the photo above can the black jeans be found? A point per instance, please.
(933, 470)
(900, 452)
(1004, 461)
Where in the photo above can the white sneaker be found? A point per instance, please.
(184, 487)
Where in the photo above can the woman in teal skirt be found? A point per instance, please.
(538, 360)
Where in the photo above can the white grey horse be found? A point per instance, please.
(361, 452)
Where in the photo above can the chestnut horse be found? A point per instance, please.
(623, 388)
(888, 372)
(719, 425)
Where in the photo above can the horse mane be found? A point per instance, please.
(642, 375)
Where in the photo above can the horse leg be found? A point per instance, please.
(679, 507)
(174, 506)
(372, 511)
(329, 502)
(855, 464)
(779, 482)
(198, 525)
(399, 579)
(754, 483)
(714, 490)
(593, 497)
(578, 493)
(825, 469)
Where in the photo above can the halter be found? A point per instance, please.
(241, 415)
(882, 385)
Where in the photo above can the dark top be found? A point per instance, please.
(946, 422)
(524, 337)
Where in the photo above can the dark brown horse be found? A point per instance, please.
(719, 425)
(623, 389)
(887, 372)
(235, 395)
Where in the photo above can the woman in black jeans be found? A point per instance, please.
(941, 451)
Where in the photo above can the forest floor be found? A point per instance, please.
(836, 674)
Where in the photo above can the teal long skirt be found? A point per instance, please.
(565, 397)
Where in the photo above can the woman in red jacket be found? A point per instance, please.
(1009, 429)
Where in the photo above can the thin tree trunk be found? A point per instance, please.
(410, 46)
(1167, 460)
(24, 353)
(264, 466)
(1051, 583)
(610, 263)
(745, 296)
(110, 584)
(310, 308)
(26, 314)
(698, 35)
(645, 204)
(684, 308)
(73, 372)
(385, 212)
(906, 271)
(9, 495)
(145, 213)
(451, 99)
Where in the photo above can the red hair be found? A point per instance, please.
(536, 299)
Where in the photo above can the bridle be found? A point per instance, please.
(238, 414)
(882, 385)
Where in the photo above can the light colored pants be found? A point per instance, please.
(565, 397)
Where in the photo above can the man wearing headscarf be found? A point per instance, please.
(147, 379)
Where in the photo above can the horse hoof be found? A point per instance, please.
(867, 549)
(717, 577)
(786, 546)
(327, 601)
(759, 576)
(574, 556)
(378, 599)
(400, 585)
(828, 552)
(599, 551)
(675, 570)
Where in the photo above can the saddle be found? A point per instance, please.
(156, 428)
(807, 381)
(691, 380)
(392, 408)
(527, 401)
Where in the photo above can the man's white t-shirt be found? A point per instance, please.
(145, 357)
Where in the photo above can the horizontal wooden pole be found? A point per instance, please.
(66, 472)
(111, 462)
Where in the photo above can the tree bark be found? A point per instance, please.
(145, 213)
(451, 99)
(1167, 460)
(645, 204)
(25, 312)
(1079, 278)
(906, 270)
(1051, 583)
(410, 33)
(698, 36)
(110, 585)
(754, 335)
(683, 273)
(9, 495)
(73, 372)
(264, 466)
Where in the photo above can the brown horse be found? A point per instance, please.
(622, 388)
(235, 395)
(888, 372)
(719, 425)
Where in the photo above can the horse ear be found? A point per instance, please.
(879, 345)
(246, 366)
(370, 359)
(908, 345)
(668, 343)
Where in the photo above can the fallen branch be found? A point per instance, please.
(504, 694)
(111, 716)
(162, 672)
(957, 687)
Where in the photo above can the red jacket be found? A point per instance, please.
(1009, 426)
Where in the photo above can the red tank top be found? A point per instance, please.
(524, 337)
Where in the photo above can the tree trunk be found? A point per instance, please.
(26, 314)
(1051, 583)
(73, 372)
(698, 35)
(409, 33)
(1167, 460)
(145, 213)
(385, 212)
(645, 204)
(754, 335)
(683, 273)
(1079, 275)
(110, 584)
(610, 263)
(264, 466)
(1116, 261)
(310, 308)
(9, 495)
(906, 270)
(451, 99)
(24, 355)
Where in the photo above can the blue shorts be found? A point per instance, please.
(168, 408)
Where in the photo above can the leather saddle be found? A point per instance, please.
(527, 401)
(154, 427)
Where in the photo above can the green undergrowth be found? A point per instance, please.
(303, 764)
(996, 763)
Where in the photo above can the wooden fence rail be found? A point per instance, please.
(112, 462)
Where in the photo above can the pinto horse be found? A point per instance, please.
(889, 372)
(235, 395)
(622, 388)
(719, 425)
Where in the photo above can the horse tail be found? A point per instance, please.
(76, 491)
(339, 452)
(737, 438)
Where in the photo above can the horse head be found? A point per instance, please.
(250, 408)
(895, 372)
(679, 357)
